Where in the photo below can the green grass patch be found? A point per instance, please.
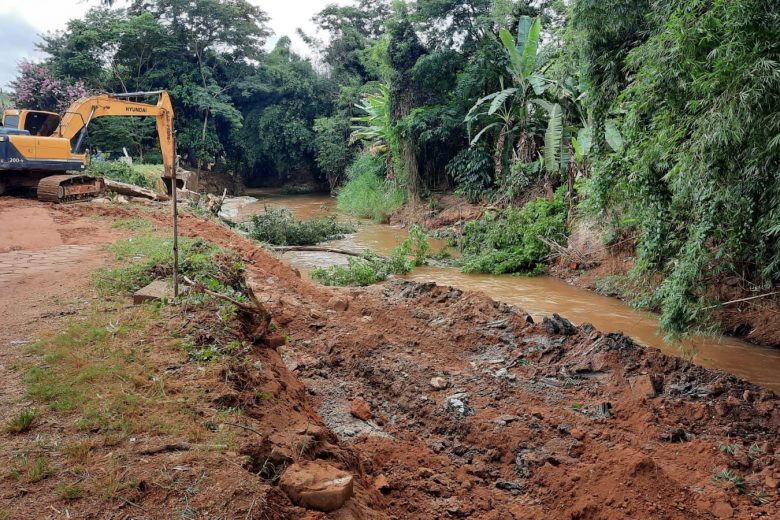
(70, 492)
(277, 226)
(509, 240)
(21, 422)
(148, 257)
(132, 224)
(122, 172)
(367, 194)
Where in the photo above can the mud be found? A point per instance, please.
(475, 410)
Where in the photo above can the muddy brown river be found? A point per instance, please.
(539, 296)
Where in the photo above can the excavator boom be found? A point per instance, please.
(39, 149)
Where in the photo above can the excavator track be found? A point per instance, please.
(70, 188)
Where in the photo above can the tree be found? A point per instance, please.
(37, 88)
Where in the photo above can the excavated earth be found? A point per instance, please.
(447, 404)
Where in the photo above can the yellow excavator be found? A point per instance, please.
(42, 150)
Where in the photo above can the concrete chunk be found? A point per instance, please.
(155, 291)
(316, 485)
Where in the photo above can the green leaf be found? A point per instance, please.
(576, 145)
(552, 139)
(511, 49)
(528, 56)
(538, 83)
(481, 132)
(523, 29)
(612, 134)
(499, 100)
(585, 140)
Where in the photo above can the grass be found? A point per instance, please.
(30, 470)
(70, 492)
(367, 194)
(277, 226)
(730, 478)
(132, 224)
(21, 422)
(120, 171)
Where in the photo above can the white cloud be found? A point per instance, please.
(28, 18)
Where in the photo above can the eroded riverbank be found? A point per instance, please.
(539, 296)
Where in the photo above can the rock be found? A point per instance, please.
(503, 373)
(458, 403)
(642, 386)
(439, 383)
(722, 509)
(381, 484)
(156, 291)
(771, 483)
(578, 434)
(558, 325)
(317, 485)
(338, 304)
(361, 410)
(503, 420)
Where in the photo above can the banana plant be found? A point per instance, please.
(373, 128)
(510, 108)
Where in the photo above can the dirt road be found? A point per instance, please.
(446, 404)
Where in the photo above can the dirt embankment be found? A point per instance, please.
(441, 404)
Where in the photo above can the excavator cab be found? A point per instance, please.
(34, 122)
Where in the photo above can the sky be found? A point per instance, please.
(21, 21)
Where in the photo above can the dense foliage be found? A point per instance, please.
(512, 240)
(665, 112)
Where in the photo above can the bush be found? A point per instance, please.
(509, 241)
(370, 268)
(368, 194)
(277, 226)
(120, 171)
(472, 171)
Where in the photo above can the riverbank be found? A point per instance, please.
(587, 263)
(437, 402)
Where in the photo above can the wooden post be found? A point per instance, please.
(175, 224)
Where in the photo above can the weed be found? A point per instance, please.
(728, 476)
(263, 395)
(70, 491)
(79, 451)
(577, 406)
(31, 470)
(755, 451)
(22, 421)
(277, 226)
(759, 498)
(269, 471)
(731, 449)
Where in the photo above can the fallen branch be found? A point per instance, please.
(132, 190)
(742, 300)
(318, 249)
(244, 427)
(256, 308)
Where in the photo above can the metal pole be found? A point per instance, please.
(175, 224)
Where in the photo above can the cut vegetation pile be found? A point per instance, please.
(277, 226)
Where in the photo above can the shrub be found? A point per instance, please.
(472, 170)
(277, 226)
(371, 268)
(120, 171)
(509, 241)
(368, 194)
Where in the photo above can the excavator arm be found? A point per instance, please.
(77, 118)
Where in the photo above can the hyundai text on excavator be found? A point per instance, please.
(42, 150)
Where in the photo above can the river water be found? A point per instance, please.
(539, 296)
